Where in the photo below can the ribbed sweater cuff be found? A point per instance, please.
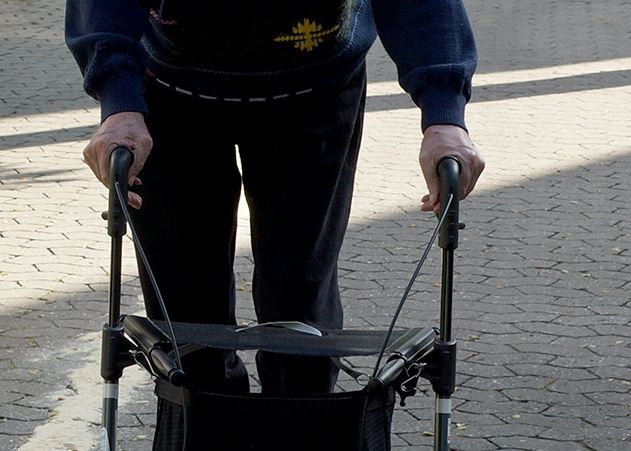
(440, 106)
(121, 93)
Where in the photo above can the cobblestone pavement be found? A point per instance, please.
(542, 304)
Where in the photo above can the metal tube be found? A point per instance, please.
(442, 423)
(110, 410)
(446, 295)
(120, 162)
(449, 172)
(115, 281)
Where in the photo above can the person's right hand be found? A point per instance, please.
(126, 129)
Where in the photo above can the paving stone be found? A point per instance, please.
(14, 427)
(526, 394)
(470, 444)
(10, 442)
(508, 358)
(500, 383)
(22, 413)
(609, 444)
(566, 374)
(532, 443)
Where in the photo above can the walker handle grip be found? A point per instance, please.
(121, 160)
(449, 173)
(155, 344)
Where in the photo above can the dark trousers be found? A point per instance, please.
(298, 159)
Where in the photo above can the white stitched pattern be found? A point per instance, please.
(184, 91)
(229, 99)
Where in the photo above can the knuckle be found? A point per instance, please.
(98, 141)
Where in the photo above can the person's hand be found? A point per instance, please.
(440, 141)
(126, 129)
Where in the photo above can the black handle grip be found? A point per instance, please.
(154, 344)
(410, 348)
(166, 366)
(144, 333)
(449, 173)
(121, 160)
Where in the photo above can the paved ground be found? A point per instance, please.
(542, 309)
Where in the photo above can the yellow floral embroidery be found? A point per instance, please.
(306, 35)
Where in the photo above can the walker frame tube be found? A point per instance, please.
(114, 354)
(444, 345)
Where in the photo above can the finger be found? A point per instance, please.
(434, 208)
(470, 176)
(476, 173)
(134, 200)
(88, 158)
(141, 151)
(92, 167)
(433, 185)
(465, 181)
(136, 167)
(97, 154)
(134, 180)
(426, 205)
(104, 166)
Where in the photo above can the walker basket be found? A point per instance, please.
(351, 421)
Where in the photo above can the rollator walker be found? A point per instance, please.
(357, 420)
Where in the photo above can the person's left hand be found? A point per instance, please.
(440, 141)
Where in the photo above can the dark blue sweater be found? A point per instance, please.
(245, 50)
